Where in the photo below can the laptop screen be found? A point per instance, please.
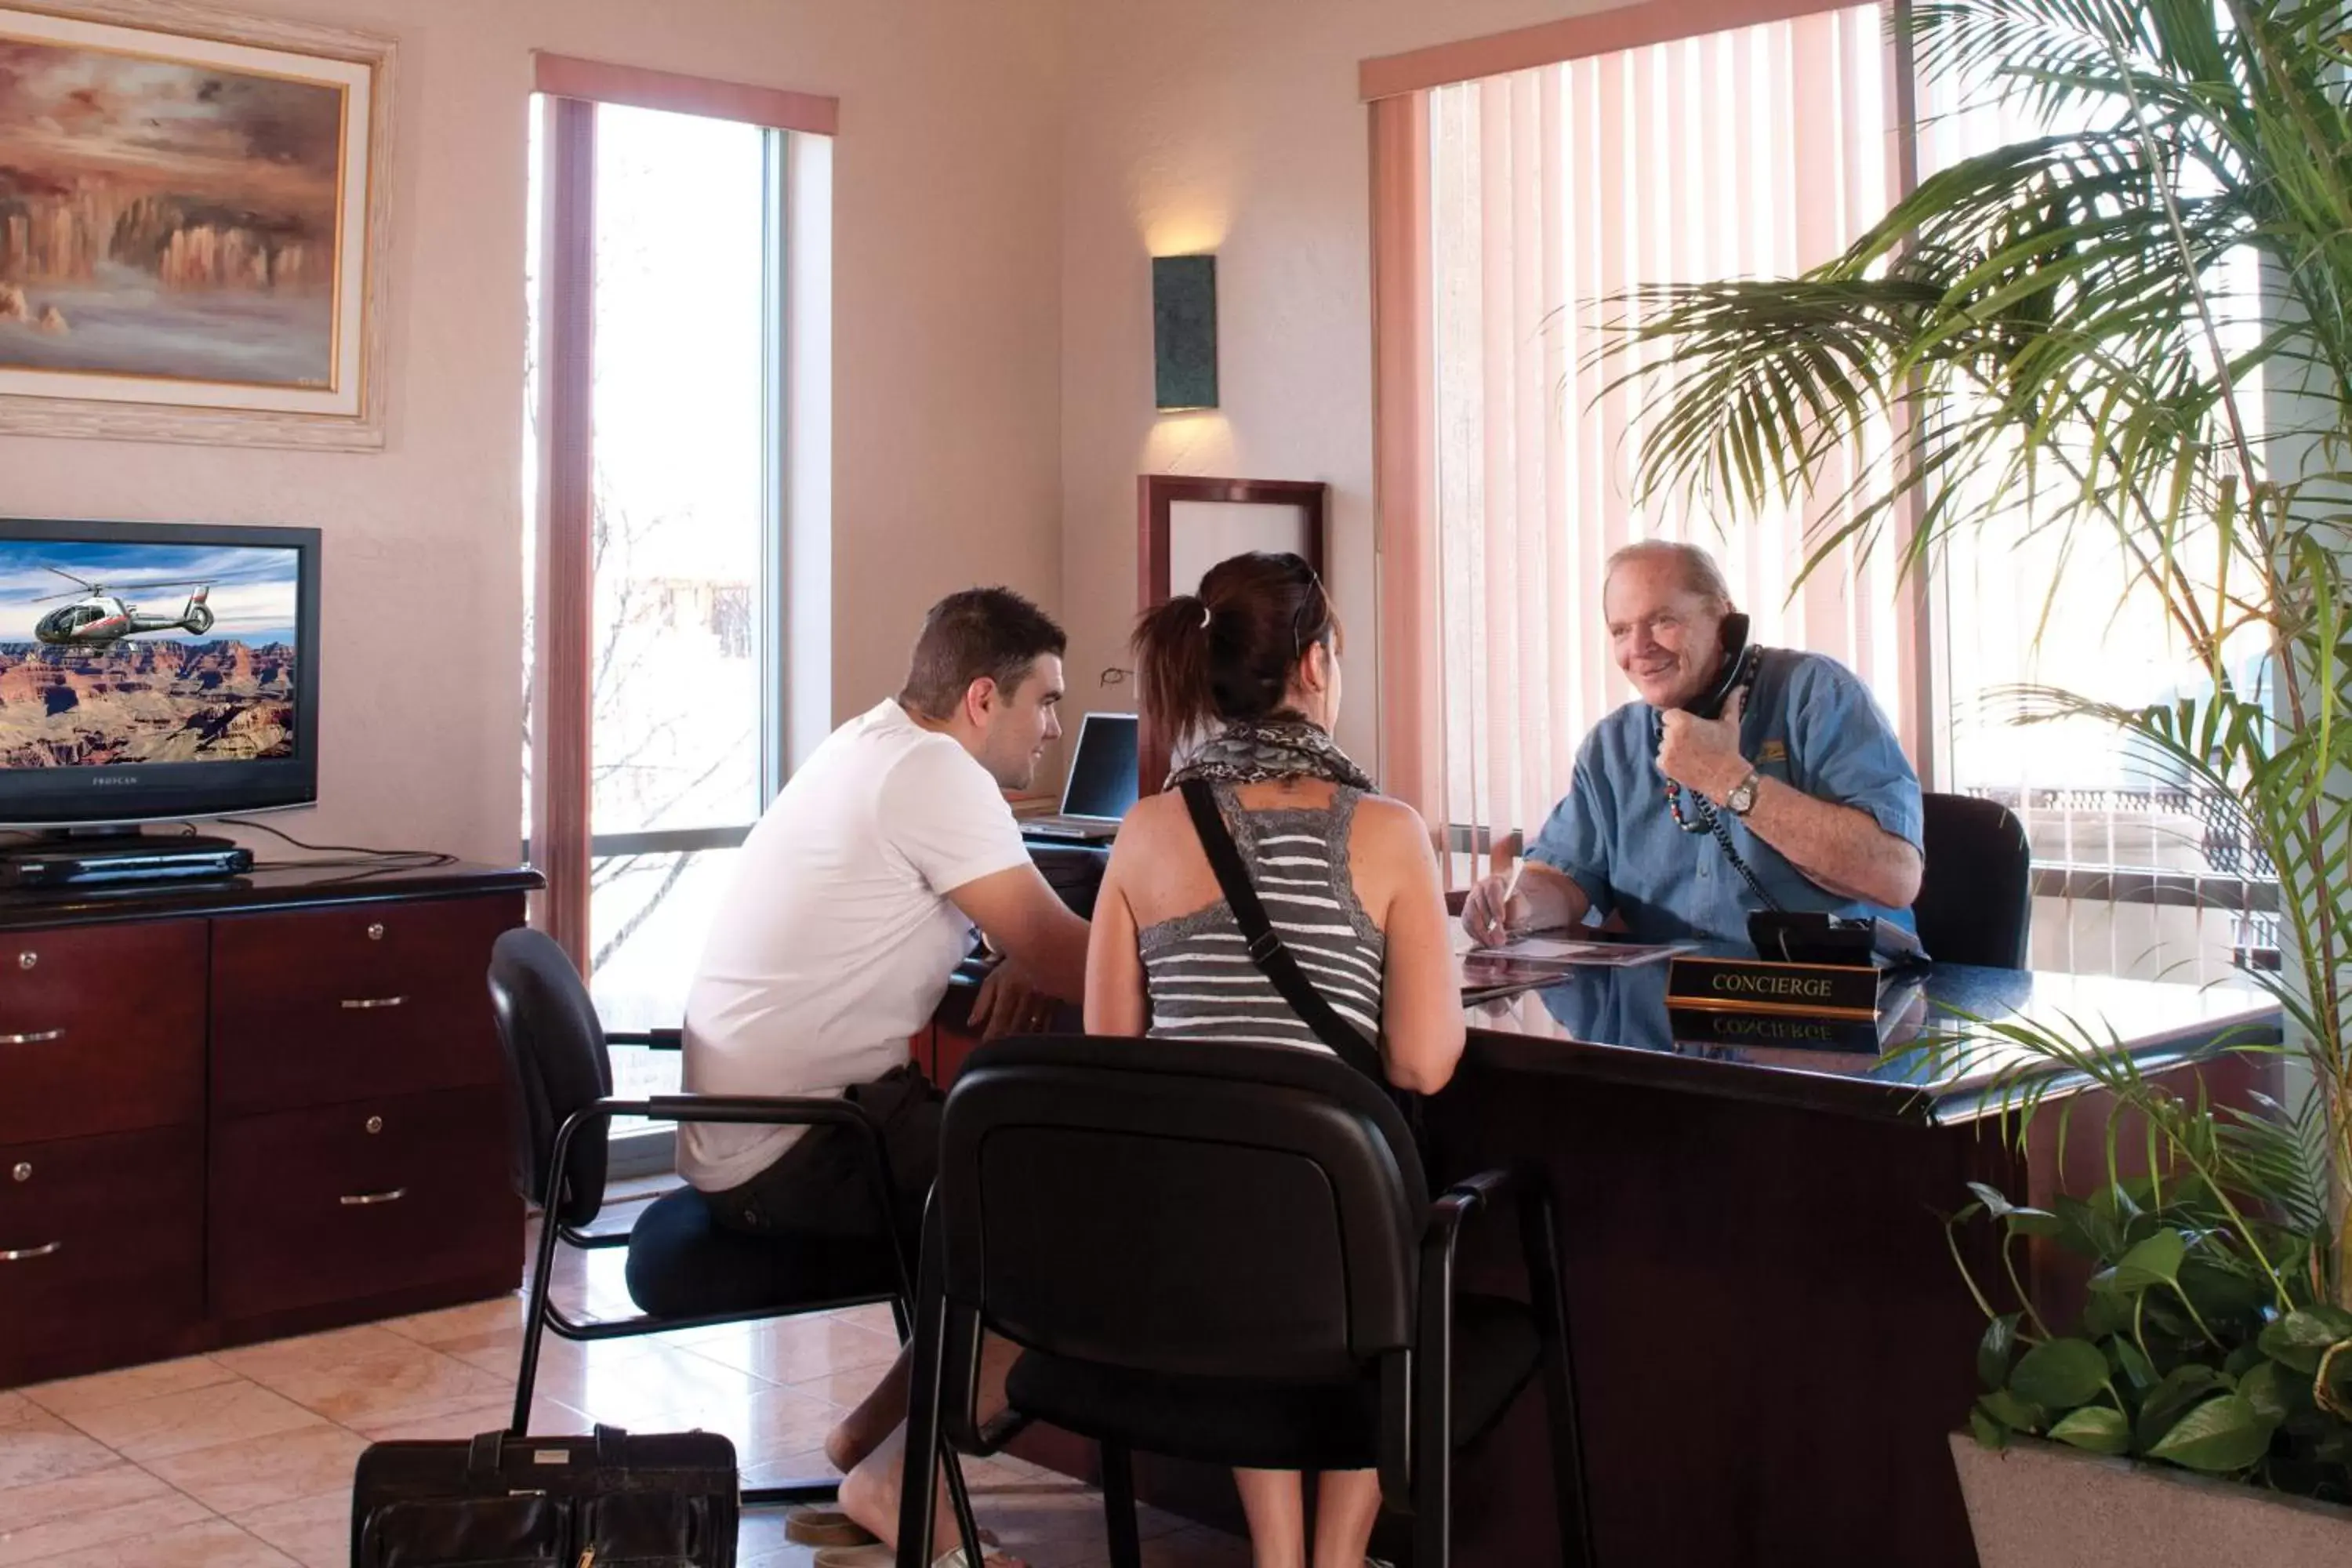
(1102, 780)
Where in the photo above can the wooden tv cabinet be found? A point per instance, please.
(230, 1111)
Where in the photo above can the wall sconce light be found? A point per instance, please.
(1184, 331)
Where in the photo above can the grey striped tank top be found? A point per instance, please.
(1200, 983)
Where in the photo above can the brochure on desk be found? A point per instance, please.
(1545, 958)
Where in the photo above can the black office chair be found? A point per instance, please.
(1224, 1253)
(683, 1271)
(1976, 890)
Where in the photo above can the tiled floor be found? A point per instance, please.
(244, 1456)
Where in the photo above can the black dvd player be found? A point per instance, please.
(129, 857)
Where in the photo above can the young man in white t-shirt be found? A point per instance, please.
(854, 899)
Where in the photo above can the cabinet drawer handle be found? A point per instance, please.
(364, 1003)
(364, 1200)
(26, 1253)
(37, 1036)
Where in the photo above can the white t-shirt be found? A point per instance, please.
(837, 939)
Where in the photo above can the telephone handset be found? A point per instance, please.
(1738, 669)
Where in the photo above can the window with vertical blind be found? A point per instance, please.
(1539, 196)
(677, 387)
(1761, 150)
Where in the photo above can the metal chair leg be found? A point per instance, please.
(918, 1483)
(1433, 1415)
(1433, 1502)
(1119, 1506)
(534, 1323)
(829, 1490)
(1539, 1238)
(960, 1500)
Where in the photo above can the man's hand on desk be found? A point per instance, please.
(1008, 1002)
(1488, 917)
(1544, 899)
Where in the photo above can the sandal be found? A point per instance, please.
(880, 1556)
(812, 1524)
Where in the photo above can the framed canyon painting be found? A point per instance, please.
(193, 217)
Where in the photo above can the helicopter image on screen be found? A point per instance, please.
(102, 616)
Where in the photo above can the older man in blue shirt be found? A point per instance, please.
(1800, 780)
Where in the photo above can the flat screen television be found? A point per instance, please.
(153, 671)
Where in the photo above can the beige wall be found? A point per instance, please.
(1233, 126)
(946, 406)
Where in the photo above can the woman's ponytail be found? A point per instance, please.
(1172, 662)
(1231, 651)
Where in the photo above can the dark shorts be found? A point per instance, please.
(822, 1186)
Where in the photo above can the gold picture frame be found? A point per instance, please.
(194, 217)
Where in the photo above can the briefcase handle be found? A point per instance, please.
(609, 1452)
(484, 1468)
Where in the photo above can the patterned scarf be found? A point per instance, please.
(1256, 750)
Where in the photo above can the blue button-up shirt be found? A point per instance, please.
(1809, 723)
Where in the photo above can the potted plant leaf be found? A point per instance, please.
(2136, 324)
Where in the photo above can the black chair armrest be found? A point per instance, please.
(1467, 1197)
(1527, 1186)
(752, 1110)
(757, 1109)
(651, 1039)
(1433, 1357)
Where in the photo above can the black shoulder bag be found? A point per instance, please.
(1274, 960)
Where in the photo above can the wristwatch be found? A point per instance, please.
(1742, 798)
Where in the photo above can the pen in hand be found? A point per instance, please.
(1502, 926)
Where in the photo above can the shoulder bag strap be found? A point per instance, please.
(1265, 949)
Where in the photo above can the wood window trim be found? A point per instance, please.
(601, 81)
(1570, 39)
(563, 728)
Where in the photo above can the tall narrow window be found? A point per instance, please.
(673, 396)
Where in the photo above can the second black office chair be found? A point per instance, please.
(1976, 890)
(1224, 1253)
(683, 1270)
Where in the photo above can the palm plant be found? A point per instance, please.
(2137, 326)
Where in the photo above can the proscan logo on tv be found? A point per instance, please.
(102, 781)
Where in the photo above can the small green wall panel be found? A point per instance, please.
(1184, 331)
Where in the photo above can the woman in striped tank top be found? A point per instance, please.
(1249, 669)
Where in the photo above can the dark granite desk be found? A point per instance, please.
(1771, 1339)
(1614, 1024)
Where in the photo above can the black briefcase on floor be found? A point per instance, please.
(659, 1500)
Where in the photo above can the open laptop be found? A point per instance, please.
(1102, 782)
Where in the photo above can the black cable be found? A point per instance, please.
(1710, 820)
(1723, 836)
(354, 855)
